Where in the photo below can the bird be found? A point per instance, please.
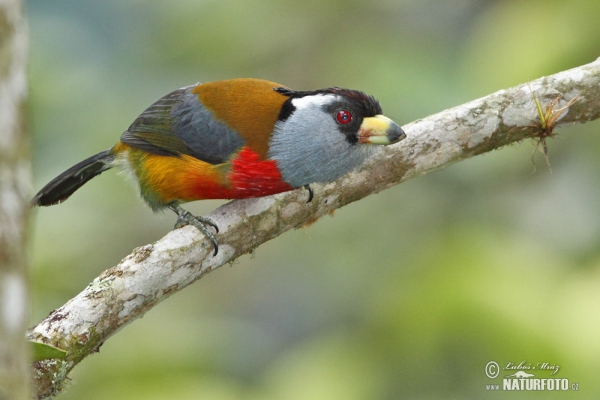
(235, 139)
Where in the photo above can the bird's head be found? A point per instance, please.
(323, 134)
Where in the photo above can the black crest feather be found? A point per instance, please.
(369, 104)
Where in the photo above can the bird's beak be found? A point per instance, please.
(380, 130)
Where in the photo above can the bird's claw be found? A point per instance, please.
(311, 194)
(187, 218)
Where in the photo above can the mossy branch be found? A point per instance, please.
(153, 272)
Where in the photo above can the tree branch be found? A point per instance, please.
(153, 272)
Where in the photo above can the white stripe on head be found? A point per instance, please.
(313, 100)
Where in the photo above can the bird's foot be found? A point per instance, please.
(185, 217)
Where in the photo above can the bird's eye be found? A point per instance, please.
(344, 117)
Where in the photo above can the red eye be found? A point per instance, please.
(344, 117)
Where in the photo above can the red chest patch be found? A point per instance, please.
(252, 177)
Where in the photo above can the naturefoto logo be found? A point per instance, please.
(525, 379)
(520, 374)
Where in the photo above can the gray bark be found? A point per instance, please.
(15, 183)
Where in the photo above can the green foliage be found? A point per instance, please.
(41, 351)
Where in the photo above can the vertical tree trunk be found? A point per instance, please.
(14, 208)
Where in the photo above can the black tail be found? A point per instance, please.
(64, 185)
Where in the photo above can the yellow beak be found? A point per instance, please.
(380, 130)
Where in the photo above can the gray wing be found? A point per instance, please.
(179, 124)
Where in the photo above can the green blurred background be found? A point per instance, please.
(406, 294)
